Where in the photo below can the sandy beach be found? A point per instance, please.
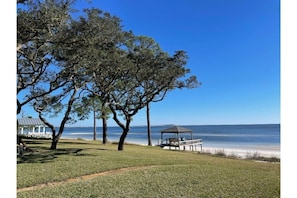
(267, 151)
(245, 153)
(260, 151)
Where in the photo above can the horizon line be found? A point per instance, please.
(157, 125)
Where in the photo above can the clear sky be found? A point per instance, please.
(233, 48)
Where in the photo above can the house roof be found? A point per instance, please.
(176, 129)
(30, 122)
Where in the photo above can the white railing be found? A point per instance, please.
(190, 142)
(40, 135)
(174, 142)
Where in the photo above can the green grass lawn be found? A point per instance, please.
(156, 172)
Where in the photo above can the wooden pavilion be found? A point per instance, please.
(177, 141)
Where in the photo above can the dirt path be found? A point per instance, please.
(84, 177)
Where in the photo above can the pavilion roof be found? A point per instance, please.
(176, 129)
(30, 122)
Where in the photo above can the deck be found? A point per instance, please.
(184, 144)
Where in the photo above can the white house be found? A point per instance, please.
(32, 127)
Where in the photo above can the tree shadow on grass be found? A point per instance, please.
(76, 142)
(44, 155)
(33, 142)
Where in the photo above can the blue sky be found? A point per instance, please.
(233, 48)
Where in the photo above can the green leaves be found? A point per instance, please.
(62, 59)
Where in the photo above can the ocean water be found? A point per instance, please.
(221, 136)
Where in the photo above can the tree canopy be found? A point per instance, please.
(63, 60)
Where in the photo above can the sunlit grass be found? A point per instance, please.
(167, 173)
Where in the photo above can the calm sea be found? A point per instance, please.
(222, 136)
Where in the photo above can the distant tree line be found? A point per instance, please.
(72, 66)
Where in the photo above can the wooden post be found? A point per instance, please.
(21, 149)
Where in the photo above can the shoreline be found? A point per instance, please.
(241, 153)
(267, 151)
(244, 153)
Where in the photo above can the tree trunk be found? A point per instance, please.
(104, 130)
(64, 120)
(122, 139)
(149, 138)
(125, 128)
(94, 115)
(54, 145)
(55, 142)
(19, 107)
